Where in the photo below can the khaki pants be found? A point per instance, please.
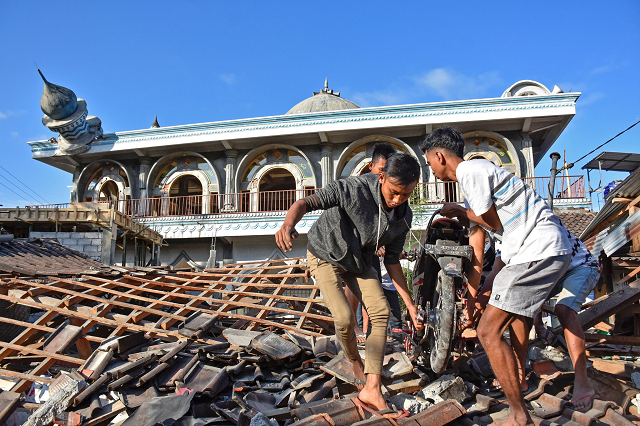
(367, 289)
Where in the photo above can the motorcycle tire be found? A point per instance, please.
(441, 337)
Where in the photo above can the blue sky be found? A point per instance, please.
(191, 62)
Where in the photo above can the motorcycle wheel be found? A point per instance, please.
(442, 335)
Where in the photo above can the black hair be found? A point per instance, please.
(402, 168)
(382, 150)
(444, 137)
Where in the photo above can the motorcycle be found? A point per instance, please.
(439, 289)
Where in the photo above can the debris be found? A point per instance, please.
(446, 387)
(243, 345)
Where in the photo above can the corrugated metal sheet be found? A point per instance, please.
(629, 188)
(622, 234)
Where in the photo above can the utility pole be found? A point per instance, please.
(552, 182)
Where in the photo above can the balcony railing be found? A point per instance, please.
(566, 187)
(243, 202)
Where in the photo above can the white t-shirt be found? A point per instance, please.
(580, 254)
(386, 282)
(531, 231)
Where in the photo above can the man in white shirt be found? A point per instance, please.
(535, 250)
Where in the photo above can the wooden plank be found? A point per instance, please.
(269, 304)
(34, 351)
(629, 276)
(180, 306)
(115, 323)
(24, 376)
(314, 294)
(43, 328)
(219, 290)
(614, 340)
(609, 304)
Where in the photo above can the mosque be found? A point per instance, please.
(228, 184)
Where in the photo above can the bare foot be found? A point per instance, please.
(522, 419)
(373, 398)
(358, 371)
(583, 401)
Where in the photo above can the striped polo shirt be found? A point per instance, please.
(531, 231)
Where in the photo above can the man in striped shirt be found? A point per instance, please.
(535, 250)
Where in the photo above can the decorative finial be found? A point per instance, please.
(155, 124)
(57, 102)
(326, 90)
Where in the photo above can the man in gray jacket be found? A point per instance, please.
(361, 214)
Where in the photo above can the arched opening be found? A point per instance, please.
(277, 190)
(108, 192)
(186, 196)
(355, 158)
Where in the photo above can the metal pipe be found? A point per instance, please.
(552, 181)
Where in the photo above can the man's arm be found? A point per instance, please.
(490, 219)
(287, 233)
(476, 241)
(397, 277)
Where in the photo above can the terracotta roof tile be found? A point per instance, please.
(575, 219)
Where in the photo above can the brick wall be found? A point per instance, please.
(89, 243)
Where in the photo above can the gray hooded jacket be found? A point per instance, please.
(351, 227)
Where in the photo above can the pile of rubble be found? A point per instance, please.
(248, 345)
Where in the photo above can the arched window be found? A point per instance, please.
(277, 190)
(272, 179)
(356, 162)
(492, 150)
(107, 183)
(184, 185)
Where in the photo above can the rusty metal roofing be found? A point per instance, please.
(629, 188)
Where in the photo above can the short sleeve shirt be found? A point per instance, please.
(531, 231)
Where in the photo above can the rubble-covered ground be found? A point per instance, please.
(252, 344)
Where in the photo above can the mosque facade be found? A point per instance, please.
(227, 184)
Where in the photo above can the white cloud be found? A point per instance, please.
(386, 97)
(228, 78)
(7, 114)
(442, 83)
(603, 69)
(590, 98)
(450, 84)
(14, 134)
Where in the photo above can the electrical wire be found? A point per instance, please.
(23, 184)
(19, 195)
(570, 165)
(23, 194)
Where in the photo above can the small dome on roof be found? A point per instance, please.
(57, 102)
(325, 100)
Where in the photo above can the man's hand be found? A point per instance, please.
(453, 210)
(307, 275)
(468, 319)
(381, 251)
(413, 312)
(285, 237)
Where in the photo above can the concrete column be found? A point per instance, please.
(74, 189)
(325, 164)
(230, 182)
(527, 151)
(143, 175)
(108, 251)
